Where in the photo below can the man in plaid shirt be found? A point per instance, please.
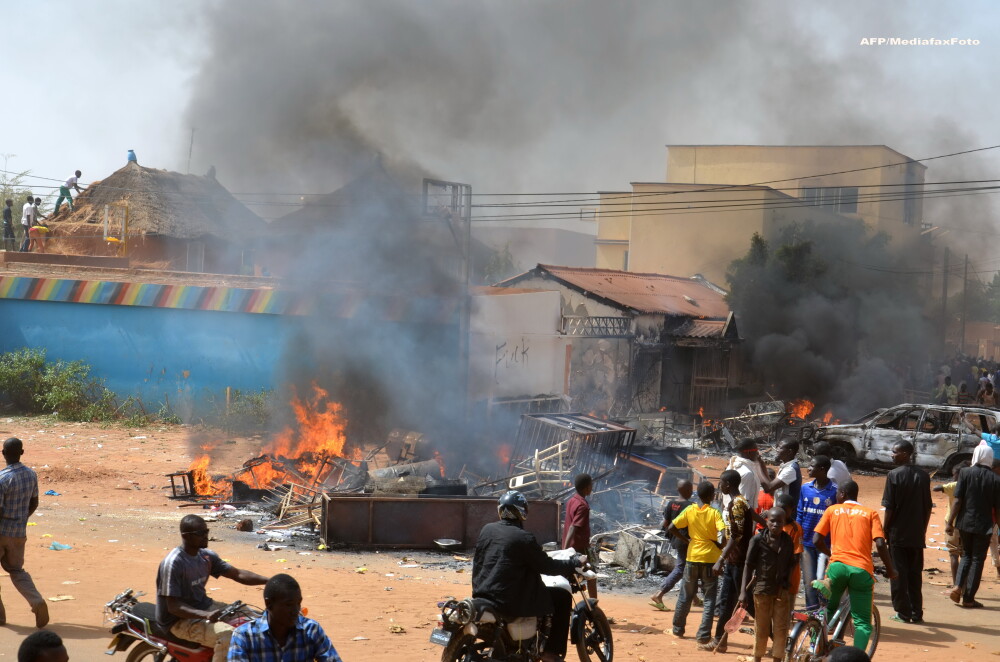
(18, 500)
(282, 634)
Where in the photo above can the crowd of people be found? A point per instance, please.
(34, 229)
(963, 380)
(763, 533)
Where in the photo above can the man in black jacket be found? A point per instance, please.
(507, 569)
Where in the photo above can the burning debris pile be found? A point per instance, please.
(311, 457)
(768, 422)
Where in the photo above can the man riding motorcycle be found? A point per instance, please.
(507, 569)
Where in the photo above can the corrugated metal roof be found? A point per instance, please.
(700, 329)
(645, 293)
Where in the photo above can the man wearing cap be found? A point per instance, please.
(18, 500)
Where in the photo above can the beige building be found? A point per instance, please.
(717, 197)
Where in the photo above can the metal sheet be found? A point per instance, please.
(415, 522)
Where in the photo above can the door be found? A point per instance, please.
(937, 437)
(894, 425)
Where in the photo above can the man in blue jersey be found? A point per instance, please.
(816, 496)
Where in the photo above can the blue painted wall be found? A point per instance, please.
(158, 354)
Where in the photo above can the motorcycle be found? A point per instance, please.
(134, 626)
(472, 630)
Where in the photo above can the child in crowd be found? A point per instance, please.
(769, 565)
(954, 540)
(794, 530)
(674, 508)
(704, 524)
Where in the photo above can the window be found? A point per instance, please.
(841, 199)
(890, 420)
(848, 200)
(936, 421)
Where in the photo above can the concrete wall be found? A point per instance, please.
(515, 347)
(158, 354)
(670, 231)
(792, 168)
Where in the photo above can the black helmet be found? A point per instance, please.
(512, 505)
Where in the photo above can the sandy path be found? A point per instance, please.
(114, 512)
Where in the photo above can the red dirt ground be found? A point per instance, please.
(114, 512)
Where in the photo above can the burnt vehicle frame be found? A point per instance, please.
(943, 436)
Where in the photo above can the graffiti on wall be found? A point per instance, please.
(510, 356)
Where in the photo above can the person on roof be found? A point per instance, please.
(64, 191)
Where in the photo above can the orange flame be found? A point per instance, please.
(205, 484)
(701, 412)
(440, 460)
(298, 453)
(800, 408)
(504, 453)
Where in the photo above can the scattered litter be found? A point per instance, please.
(282, 561)
(408, 565)
(387, 588)
(360, 639)
(321, 547)
(52, 493)
(461, 558)
(969, 644)
(112, 540)
(82, 519)
(397, 629)
(58, 546)
(46, 535)
(70, 582)
(140, 437)
(305, 553)
(361, 570)
(61, 598)
(32, 523)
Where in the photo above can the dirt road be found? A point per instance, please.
(112, 509)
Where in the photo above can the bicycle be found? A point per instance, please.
(812, 637)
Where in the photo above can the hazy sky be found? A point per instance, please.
(512, 95)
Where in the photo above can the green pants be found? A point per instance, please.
(64, 194)
(858, 583)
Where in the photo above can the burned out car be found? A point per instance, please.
(942, 435)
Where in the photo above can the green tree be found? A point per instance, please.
(13, 187)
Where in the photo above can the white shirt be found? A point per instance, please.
(838, 472)
(749, 479)
(28, 214)
(71, 182)
(786, 474)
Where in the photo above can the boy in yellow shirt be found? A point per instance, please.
(704, 525)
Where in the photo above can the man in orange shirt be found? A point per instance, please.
(852, 528)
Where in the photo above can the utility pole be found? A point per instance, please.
(944, 301)
(965, 302)
(190, 151)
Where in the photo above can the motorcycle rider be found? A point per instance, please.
(507, 569)
(182, 606)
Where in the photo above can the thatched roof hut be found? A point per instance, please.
(166, 203)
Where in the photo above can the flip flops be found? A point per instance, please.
(659, 606)
(898, 619)
(956, 595)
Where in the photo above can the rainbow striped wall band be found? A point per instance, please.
(440, 310)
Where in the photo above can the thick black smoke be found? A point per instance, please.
(529, 95)
(832, 315)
